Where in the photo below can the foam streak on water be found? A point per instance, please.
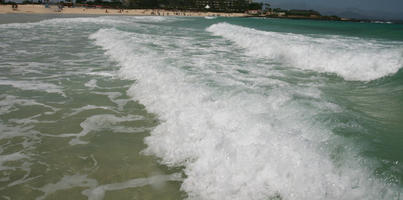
(240, 141)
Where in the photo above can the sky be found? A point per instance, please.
(375, 9)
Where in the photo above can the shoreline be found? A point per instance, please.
(53, 9)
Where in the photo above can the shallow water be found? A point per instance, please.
(174, 108)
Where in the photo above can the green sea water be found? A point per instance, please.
(130, 107)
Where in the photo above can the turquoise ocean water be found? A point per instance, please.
(130, 107)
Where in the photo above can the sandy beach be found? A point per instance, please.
(40, 9)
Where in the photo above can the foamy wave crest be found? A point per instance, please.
(236, 145)
(66, 22)
(103, 20)
(350, 58)
(110, 20)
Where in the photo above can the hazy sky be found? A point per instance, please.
(388, 9)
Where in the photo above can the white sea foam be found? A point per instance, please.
(29, 120)
(102, 122)
(97, 192)
(237, 144)
(65, 22)
(23, 165)
(85, 108)
(10, 157)
(17, 25)
(105, 74)
(8, 132)
(209, 17)
(9, 102)
(102, 20)
(350, 58)
(80, 20)
(34, 85)
(91, 84)
(67, 182)
(4, 45)
(150, 19)
(114, 97)
(23, 68)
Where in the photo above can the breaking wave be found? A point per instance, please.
(243, 143)
(351, 58)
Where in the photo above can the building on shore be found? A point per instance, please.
(223, 5)
(196, 5)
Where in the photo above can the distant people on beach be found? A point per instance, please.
(14, 6)
(60, 7)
